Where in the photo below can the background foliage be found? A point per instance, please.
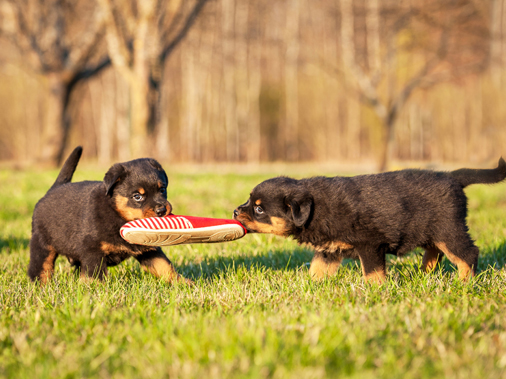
(363, 81)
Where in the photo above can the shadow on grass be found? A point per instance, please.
(277, 260)
(274, 260)
(493, 256)
(7, 245)
(299, 258)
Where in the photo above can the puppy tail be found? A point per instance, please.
(67, 171)
(468, 176)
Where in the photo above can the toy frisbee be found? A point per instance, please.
(176, 230)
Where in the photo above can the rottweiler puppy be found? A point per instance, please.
(365, 217)
(81, 221)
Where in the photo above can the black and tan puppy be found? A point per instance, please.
(81, 221)
(368, 216)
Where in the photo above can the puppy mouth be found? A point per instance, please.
(245, 221)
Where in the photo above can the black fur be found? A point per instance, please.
(369, 216)
(81, 221)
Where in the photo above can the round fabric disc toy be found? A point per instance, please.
(176, 230)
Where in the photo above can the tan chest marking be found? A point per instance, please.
(331, 246)
(108, 248)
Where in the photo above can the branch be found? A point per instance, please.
(192, 17)
(80, 56)
(117, 50)
(408, 89)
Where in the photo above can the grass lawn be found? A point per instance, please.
(254, 312)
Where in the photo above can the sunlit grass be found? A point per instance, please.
(253, 312)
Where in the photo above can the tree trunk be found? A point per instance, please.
(228, 67)
(53, 126)
(139, 115)
(291, 129)
(386, 145)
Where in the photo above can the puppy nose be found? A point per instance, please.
(236, 213)
(161, 211)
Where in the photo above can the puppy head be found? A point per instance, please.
(279, 206)
(138, 189)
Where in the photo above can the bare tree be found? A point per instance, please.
(452, 31)
(141, 34)
(60, 40)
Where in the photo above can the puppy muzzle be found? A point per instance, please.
(163, 209)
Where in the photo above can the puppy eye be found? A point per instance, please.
(259, 210)
(138, 197)
(163, 190)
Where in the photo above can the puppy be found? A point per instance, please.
(81, 221)
(365, 217)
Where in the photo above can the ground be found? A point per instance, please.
(253, 312)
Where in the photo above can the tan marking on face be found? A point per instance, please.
(278, 226)
(431, 258)
(149, 213)
(126, 212)
(320, 269)
(258, 202)
(108, 248)
(159, 184)
(141, 191)
(465, 270)
(48, 266)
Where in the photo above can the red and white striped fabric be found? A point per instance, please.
(176, 230)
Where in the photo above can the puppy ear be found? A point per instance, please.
(301, 209)
(159, 167)
(115, 174)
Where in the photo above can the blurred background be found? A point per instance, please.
(378, 82)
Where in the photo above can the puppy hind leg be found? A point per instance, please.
(42, 258)
(465, 257)
(431, 258)
(373, 266)
(323, 266)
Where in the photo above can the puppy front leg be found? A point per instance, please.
(324, 264)
(157, 263)
(93, 268)
(373, 265)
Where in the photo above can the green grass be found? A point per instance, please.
(254, 312)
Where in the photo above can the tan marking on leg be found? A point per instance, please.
(48, 266)
(320, 269)
(431, 258)
(464, 269)
(378, 276)
(162, 268)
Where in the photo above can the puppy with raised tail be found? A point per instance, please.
(81, 220)
(366, 217)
